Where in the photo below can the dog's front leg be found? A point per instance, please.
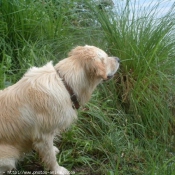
(56, 150)
(47, 152)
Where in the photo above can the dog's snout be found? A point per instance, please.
(117, 59)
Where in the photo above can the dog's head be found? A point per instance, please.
(95, 62)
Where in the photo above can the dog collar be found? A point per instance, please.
(73, 96)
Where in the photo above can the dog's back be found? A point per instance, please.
(36, 104)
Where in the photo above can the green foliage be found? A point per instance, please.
(128, 126)
(146, 46)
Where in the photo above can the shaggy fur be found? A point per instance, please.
(38, 107)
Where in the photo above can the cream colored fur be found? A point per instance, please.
(38, 107)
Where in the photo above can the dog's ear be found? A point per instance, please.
(96, 68)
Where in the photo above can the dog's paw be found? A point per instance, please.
(61, 171)
(56, 149)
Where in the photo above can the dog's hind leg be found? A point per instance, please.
(8, 158)
(47, 152)
(7, 165)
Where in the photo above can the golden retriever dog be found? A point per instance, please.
(43, 103)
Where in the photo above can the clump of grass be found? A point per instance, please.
(146, 46)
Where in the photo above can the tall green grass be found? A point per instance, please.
(128, 126)
(33, 32)
(146, 45)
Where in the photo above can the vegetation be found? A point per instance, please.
(128, 126)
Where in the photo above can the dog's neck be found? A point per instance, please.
(76, 77)
(73, 96)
